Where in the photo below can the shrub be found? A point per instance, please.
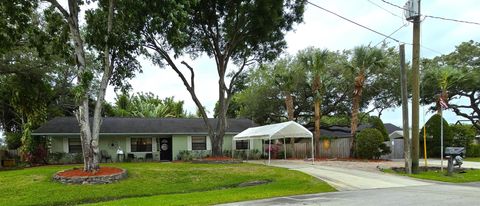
(433, 136)
(185, 155)
(463, 135)
(13, 140)
(65, 158)
(377, 123)
(473, 150)
(370, 144)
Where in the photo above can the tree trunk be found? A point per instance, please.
(290, 111)
(317, 112)
(88, 137)
(107, 73)
(357, 96)
(317, 126)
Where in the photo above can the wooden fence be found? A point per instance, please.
(330, 148)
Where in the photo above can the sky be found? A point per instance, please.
(324, 30)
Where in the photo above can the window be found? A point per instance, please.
(74, 145)
(199, 143)
(242, 144)
(141, 144)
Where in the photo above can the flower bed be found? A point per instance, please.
(103, 176)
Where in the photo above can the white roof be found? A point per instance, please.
(289, 129)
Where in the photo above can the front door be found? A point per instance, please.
(165, 147)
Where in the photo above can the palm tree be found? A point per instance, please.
(365, 60)
(315, 61)
(446, 77)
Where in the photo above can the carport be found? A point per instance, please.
(271, 132)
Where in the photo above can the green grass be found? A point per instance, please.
(469, 176)
(155, 183)
(473, 159)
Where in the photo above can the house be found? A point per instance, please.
(159, 138)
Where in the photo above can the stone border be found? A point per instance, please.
(103, 179)
(203, 161)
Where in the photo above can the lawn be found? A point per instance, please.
(158, 183)
(469, 176)
(473, 159)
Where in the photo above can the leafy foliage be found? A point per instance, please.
(433, 135)
(463, 135)
(377, 123)
(146, 105)
(456, 76)
(370, 144)
(13, 140)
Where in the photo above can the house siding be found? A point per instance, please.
(179, 143)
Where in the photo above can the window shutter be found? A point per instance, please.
(189, 143)
(129, 146)
(65, 144)
(209, 143)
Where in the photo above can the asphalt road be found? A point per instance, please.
(371, 187)
(441, 194)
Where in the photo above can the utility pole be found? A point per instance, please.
(406, 128)
(412, 13)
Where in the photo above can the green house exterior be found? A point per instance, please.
(142, 136)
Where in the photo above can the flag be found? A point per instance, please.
(443, 103)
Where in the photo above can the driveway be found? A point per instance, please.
(345, 176)
(360, 183)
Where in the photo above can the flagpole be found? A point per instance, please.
(441, 138)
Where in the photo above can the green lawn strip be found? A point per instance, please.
(34, 186)
(301, 184)
(473, 159)
(469, 176)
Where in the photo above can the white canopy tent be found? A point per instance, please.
(283, 130)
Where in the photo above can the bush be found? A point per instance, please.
(377, 123)
(65, 158)
(463, 135)
(473, 150)
(433, 136)
(187, 155)
(370, 144)
(13, 140)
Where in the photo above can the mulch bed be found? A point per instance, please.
(76, 172)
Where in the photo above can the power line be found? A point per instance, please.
(406, 24)
(372, 30)
(455, 20)
(434, 17)
(351, 21)
(385, 9)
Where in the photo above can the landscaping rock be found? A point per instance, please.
(217, 161)
(253, 183)
(102, 179)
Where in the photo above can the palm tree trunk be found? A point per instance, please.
(290, 111)
(316, 91)
(317, 126)
(357, 96)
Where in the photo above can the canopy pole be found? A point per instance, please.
(269, 148)
(313, 155)
(284, 150)
(232, 147)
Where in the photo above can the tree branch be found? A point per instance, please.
(60, 8)
(192, 74)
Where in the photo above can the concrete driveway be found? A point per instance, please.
(360, 183)
(346, 176)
